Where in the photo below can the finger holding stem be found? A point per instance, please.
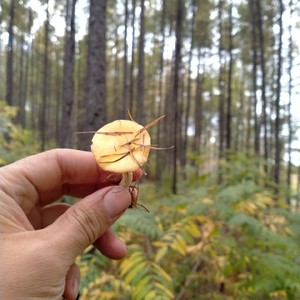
(126, 179)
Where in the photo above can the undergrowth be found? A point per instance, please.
(233, 242)
(15, 141)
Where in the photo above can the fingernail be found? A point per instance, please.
(116, 201)
(75, 288)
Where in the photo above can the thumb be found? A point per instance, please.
(83, 223)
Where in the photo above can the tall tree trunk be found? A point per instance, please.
(289, 113)
(159, 161)
(116, 79)
(131, 85)
(141, 66)
(124, 105)
(26, 72)
(80, 88)
(198, 108)
(240, 116)
(189, 91)
(260, 25)
(10, 51)
(277, 103)
(96, 68)
(254, 76)
(59, 125)
(45, 80)
(229, 86)
(21, 100)
(32, 87)
(221, 84)
(177, 67)
(68, 75)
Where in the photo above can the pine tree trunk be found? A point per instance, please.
(21, 97)
(289, 113)
(254, 77)
(159, 126)
(141, 67)
(45, 80)
(10, 51)
(177, 67)
(68, 75)
(59, 124)
(198, 109)
(229, 87)
(124, 105)
(116, 79)
(131, 85)
(258, 13)
(221, 88)
(26, 72)
(277, 103)
(189, 89)
(96, 68)
(81, 84)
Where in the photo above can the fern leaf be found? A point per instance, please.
(164, 277)
(164, 291)
(131, 262)
(179, 245)
(151, 295)
(134, 271)
(142, 288)
(161, 253)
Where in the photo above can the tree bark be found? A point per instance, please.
(221, 84)
(116, 79)
(258, 13)
(229, 86)
(141, 67)
(131, 85)
(254, 77)
(68, 75)
(198, 109)
(45, 80)
(21, 97)
(96, 68)
(289, 113)
(159, 126)
(177, 67)
(277, 103)
(10, 51)
(124, 105)
(189, 91)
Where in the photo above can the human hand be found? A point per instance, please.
(40, 239)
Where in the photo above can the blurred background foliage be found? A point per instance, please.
(15, 141)
(214, 242)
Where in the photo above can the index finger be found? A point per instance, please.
(47, 176)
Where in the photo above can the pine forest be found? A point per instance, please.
(219, 207)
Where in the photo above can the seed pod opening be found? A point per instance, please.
(121, 146)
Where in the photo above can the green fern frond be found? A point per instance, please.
(181, 234)
(147, 278)
(107, 287)
(141, 222)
